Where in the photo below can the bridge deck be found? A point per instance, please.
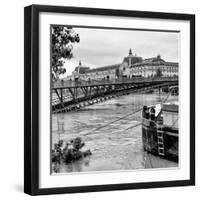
(69, 97)
(95, 83)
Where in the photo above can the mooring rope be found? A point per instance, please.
(132, 113)
(141, 109)
(124, 118)
(133, 126)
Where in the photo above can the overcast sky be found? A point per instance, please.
(101, 47)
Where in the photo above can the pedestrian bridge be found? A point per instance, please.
(72, 95)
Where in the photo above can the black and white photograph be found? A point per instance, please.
(109, 99)
(114, 99)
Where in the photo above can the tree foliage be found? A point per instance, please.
(62, 40)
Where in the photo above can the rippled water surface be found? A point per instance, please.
(114, 146)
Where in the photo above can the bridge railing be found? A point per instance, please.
(70, 83)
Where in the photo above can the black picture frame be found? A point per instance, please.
(31, 98)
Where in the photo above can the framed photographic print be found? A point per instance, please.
(109, 99)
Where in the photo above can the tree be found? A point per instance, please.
(62, 40)
(158, 72)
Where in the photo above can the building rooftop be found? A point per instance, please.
(154, 59)
(132, 59)
(81, 69)
(108, 67)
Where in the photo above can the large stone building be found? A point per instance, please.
(131, 66)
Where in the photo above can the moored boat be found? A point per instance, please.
(160, 130)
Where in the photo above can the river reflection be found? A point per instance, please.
(115, 146)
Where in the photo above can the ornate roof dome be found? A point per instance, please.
(81, 69)
(132, 59)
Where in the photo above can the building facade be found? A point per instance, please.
(131, 66)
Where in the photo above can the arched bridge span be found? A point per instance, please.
(69, 96)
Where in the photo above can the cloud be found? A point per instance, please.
(100, 47)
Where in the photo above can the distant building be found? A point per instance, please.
(79, 71)
(131, 66)
(155, 66)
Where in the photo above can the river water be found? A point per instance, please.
(114, 146)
